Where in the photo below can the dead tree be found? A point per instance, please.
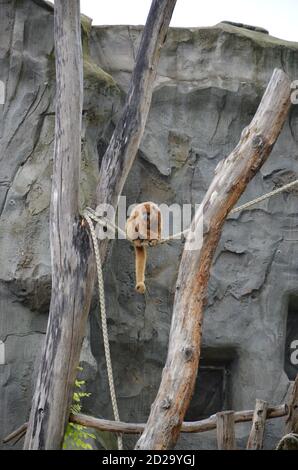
(232, 176)
(73, 269)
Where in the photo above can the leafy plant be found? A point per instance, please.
(76, 435)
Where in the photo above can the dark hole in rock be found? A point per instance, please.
(102, 146)
(291, 343)
(213, 384)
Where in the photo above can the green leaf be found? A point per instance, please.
(76, 435)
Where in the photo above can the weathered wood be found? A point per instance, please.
(292, 419)
(73, 265)
(136, 428)
(187, 427)
(240, 417)
(231, 178)
(125, 141)
(69, 242)
(225, 430)
(16, 434)
(256, 436)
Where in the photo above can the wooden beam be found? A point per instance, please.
(129, 130)
(240, 417)
(256, 436)
(73, 267)
(225, 430)
(16, 434)
(136, 428)
(292, 419)
(69, 243)
(231, 178)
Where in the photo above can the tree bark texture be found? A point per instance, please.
(225, 430)
(256, 436)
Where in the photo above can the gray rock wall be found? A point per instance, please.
(209, 84)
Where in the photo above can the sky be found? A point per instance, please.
(280, 17)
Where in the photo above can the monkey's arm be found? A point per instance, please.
(141, 255)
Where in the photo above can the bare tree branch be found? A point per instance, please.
(231, 178)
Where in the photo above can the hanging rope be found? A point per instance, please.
(104, 325)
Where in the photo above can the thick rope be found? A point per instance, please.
(105, 223)
(264, 197)
(103, 316)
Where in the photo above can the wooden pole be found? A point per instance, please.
(69, 243)
(256, 436)
(232, 176)
(16, 434)
(292, 419)
(73, 267)
(225, 430)
(127, 136)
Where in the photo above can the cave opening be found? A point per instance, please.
(291, 341)
(212, 391)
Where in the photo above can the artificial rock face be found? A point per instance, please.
(209, 84)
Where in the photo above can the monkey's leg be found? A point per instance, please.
(141, 256)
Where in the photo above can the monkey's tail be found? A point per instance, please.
(141, 257)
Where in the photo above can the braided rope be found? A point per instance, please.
(264, 197)
(104, 325)
(105, 223)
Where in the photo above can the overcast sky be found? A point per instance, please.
(280, 17)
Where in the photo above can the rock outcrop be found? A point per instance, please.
(209, 84)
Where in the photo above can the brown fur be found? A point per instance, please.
(140, 257)
(144, 228)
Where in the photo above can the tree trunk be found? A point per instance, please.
(231, 178)
(225, 430)
(73, 268)
(69, 242)
(256, 436)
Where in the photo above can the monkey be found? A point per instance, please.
(143, 227)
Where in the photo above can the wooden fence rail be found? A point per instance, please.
(136, 428)
(224, 423)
